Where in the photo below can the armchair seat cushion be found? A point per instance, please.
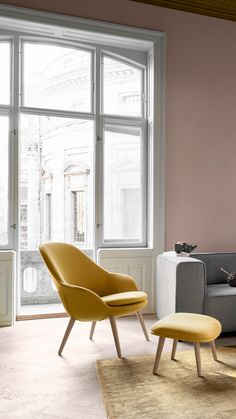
(125, 298)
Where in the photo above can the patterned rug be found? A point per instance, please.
(131, 391)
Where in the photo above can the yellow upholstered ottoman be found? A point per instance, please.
(189, 327)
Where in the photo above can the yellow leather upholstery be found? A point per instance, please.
(88, 292)
(188, 327)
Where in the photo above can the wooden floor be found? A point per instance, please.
(36, 383)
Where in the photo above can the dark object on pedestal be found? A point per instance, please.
(181, 247)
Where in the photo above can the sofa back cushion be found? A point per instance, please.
(213, 262)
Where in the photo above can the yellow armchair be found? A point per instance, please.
(89, 292)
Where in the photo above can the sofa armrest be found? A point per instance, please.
(181, 284)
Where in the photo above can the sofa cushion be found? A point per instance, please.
(213, 262)
(220, 290)
(220, 303)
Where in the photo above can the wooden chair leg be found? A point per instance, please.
(198, 357)
(175, 341)
(140, 317)
(213, 350)
(92, 330)
(158, 355)
(115, 335)
(66, 335)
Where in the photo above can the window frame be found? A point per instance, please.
(99, 122)
(132, 63)
(140, 123)
(6, 110)
(15, 22)
(57, 43)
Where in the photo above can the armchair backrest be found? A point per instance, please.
(213, 262)
(68, 264)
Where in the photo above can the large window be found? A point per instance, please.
(61, 131)
(57, 138)
(76, 130)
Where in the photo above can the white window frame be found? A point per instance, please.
(127, 61)
(18, 21)
(58, 43)
(7, 111)
(124, 120)
(141, 124)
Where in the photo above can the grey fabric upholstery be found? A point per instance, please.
(181, 285)
(190, 287)
(195, 284)
(221, 304)
(213, 262)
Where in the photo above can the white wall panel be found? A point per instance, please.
(137, 263)
(7, 288)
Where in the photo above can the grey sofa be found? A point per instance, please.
(195, 284)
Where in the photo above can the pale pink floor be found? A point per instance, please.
(36, 383)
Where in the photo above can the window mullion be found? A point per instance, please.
(15, 160)
(56, 113)
(98, 201)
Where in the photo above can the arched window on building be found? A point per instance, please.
(76, 197)
(30, 279)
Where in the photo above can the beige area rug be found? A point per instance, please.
(130, 390)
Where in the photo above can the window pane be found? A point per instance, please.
(5, 73)
(48, 216)
(122, 184)
(78, 215)
(56, 162)
(122, 88)
(4, 132)
(57, 77)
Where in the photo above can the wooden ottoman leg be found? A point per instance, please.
(158, 355)
(213, 350)
(198, 357)
(175, 341)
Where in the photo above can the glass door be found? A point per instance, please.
(56, 163)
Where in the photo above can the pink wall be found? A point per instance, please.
(200, 115)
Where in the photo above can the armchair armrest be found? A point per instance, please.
(181, 284)
(121, 283)
(82, 303)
